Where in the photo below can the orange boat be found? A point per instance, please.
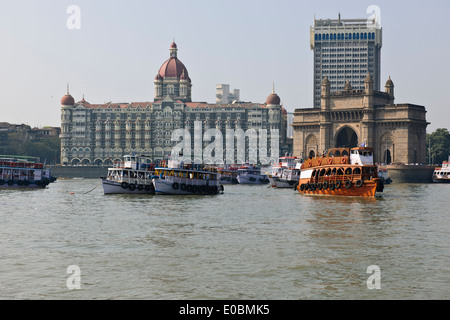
(341, 172)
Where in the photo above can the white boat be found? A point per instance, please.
(251, 175)
(288, 178)
(187, 180)
(285, 162)
(24, 172)
(442, 174)
(132, 176)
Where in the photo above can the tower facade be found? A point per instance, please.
(345, 50)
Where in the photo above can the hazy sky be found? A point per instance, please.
(250, 45)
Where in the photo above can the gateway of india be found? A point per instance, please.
(349, 107)
(350, 118)
(100, 134)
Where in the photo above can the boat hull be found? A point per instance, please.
(366, 189)
(228, 180)
(163, 186)
(24, 184)
(114, 187)
(283, 183)
(443, 180)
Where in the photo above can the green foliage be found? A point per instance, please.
(438, 146)
(48, 149)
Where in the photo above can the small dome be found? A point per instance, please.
(389, 83)
(273, 98)
(325, 81)
(158, 77)
(67, 100)
(173, 45)
(368, 78)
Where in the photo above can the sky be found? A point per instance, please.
(119, 47)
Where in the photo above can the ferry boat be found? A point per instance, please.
(24, 172)
(285, 162)
(251, 175)
(442, 174)
(189, 179)
(287, 179)
(341, 172)
(131, 176)
(227, 175)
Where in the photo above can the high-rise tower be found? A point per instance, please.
(345, 50)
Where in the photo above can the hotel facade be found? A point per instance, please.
(99, 134)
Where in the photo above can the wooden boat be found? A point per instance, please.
(341, 172)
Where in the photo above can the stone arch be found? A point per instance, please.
(98, 162)
(346, 137)
(386, 147)
(86, 161)
(311, 145)
(75, 162)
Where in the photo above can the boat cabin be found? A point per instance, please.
(361, 155)
(136, 162)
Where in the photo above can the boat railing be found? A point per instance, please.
(129, 180)
(190, 181)
(343, 178)
(21, 165)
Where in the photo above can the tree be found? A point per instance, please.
(438, 146)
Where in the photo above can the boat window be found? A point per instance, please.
(333, 172)
(345, 153)
(328, 172)
(340, 172)
(357, 171)
(322, 172)
(337, 153)
(330, 154)
(348, 171)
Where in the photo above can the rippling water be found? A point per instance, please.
(253, 242)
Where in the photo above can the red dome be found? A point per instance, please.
(173, 68)
(173, 45)
(273, 98)
(67, 100)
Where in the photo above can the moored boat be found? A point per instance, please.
(288, 178)
(227, 175)
(442, 174)
(285, 162)
(24, 172)
(341, 172)
(131, 176)
(251, 175)
(188, 179)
